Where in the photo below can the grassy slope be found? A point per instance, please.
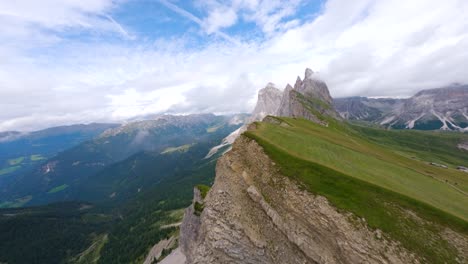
(371, 173)
(9, 170)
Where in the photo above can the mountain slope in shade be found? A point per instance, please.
(59, 178)
(308, 99)
(48, 141)
(143, 193)
(366, 109)
(443, 108)
(21, 152)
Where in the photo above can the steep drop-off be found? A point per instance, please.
(253, 214)
(287, 208)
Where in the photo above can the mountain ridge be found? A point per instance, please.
(390, 213)
(443, 108)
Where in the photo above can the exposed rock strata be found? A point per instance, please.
(253, 214)
(309, 99)
(190, 227)
(156, 251)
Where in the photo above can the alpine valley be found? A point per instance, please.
(304, 178)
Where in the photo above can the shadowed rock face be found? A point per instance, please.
(366, 109)
(309, 99)
(448, 107)
(443, 108)
(313, 87)
(253, 214)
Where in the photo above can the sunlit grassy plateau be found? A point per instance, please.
(380, 175)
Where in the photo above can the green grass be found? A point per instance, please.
(204, 189)
(214, 128)
(36, 157)
(16, 161)
(16, 203)
(379, 182)
(183, 148)
(198, 208)
(58, 189)
(9, 170)
(436, 146)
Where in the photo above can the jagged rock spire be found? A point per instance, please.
(308, 73)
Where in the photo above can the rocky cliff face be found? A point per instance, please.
(309, 99)
(367, 109)
(269, 99)
(443, 108)
(253, 214)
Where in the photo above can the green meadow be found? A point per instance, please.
(36, 157)
(379, 175)
(16, 161)
(183, 148)
(9, 170)
(58, 189)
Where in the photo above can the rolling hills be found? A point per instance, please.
(22, 152)
(106, 166)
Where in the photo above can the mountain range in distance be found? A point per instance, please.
(124, 186)
(433, 109)
(442, 108)
(86, 170)
(303, 185)
(84, 150)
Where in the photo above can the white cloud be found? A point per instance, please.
(362, 47)
(55, 13)
(270, 15)
(220, 18)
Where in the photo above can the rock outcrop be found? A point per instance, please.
(443, 108)
(309, 99)
(157, 250)
(268, 102)
(253, 214)
(269, 99)
(463, 146)
(190, 227)
(367, 109)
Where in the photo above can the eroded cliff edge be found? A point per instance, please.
(253, 214)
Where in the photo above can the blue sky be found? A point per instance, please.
(80, 61)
